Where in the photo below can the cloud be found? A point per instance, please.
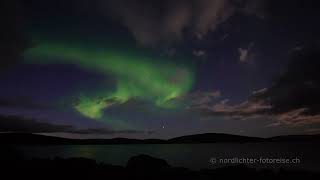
(196, 99)
(298, 117)
(19, 124)
(256, 7)
(245, 54)
(22, 102)
(260, 91)
(258, 108)
(170, 52)
(26, 125)
(292, 100)
(199, 53)
(224, 37)
(249, 109)
(297, 48)
(150, 22)
(13, 39)
(299, 86)
(244, 108)
(154, 22)
(313, 131)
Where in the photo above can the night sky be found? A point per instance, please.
(159, 68)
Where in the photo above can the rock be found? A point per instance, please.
(146, 163)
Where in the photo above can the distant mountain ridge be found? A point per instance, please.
(36, 139)
(213, 138)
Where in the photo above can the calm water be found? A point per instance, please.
(193, 156)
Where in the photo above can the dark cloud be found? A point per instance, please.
(299, 86)
(26, 125)
(153, 22)
(13, 40)
(22, 102)
(293, 99)
(256, 7)
(150, 22)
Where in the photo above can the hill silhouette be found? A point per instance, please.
(26, 138)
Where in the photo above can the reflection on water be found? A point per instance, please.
(193, 156)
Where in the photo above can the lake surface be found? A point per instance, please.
(193, 156)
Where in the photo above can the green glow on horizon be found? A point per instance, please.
(137, 76)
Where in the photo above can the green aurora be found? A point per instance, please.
(137, 76)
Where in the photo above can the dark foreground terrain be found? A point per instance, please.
(14, 166)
